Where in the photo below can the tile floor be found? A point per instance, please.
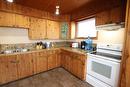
(54, 78)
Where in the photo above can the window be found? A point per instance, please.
(86, 28)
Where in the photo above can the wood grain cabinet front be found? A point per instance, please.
(25, 65)
(51, 59)
(74, 63)
(14, 20)
(54, 59)
(37, 28)
(19, 66)
(110, 16)
(7, 19)
(40, 61)
(53, 29)
(79, 66)
(8, 69)
(22, 21)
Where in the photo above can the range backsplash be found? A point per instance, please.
(32, 45)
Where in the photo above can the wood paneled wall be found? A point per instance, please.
(91, 9)
(19, 9)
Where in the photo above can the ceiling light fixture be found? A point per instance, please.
(10, 1)
(57, 10)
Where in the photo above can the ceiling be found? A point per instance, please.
(66, 6)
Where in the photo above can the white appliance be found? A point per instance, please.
(103, 66)
(75, 44)
(110, 27)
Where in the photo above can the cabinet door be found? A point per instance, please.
(25, 65)
(7, 19)
(58, 58)
(53, 29)
(21, 21)
(64, 59)
(81, 67)
(8, 69)
(78, 66)
(116, 15)
(51, 59)
(75, 62)
(67, 60)
(41, 62)
(37, 28)
(102, 18)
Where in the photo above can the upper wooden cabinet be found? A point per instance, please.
(37, 28)
(13, 20)
(110, 16)
(22, 21)
(7, 19)
(53, 29)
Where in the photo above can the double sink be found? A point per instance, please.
(14, 51)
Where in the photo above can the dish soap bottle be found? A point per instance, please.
(37, 46)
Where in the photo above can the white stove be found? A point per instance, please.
(103, 66)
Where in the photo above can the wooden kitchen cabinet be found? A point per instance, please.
(25, 65)
(66, 60)
(102, 18)
(22, 21)
(8, 69)
(58, 58)
(13, 20)
(7, 19)
(74, 63)
(79, 66)
(41, 61)
(114, 15)
(52, 59)
(53, 29)
(37, 28)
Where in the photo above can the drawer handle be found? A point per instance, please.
(14, 61)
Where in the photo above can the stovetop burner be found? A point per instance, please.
(118, 57)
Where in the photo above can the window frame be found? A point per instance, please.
(76, 30)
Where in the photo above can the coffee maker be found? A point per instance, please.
(87, 44)
(83, 44)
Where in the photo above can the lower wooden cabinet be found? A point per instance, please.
(53, 59)
(79, 66)
(25, 65)
(8, 69)
(58, 58)
(41, 61)
(13, 67)
(74, 63)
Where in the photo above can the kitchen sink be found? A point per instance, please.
(14, 51)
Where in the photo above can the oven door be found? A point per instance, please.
(104, 70)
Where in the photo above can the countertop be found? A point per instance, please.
(76, 50)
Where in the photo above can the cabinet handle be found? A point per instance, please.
(13, 61)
